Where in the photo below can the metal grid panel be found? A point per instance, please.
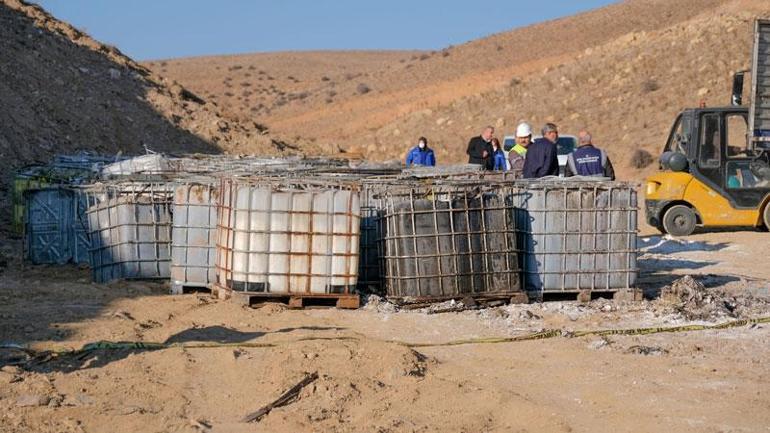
(193, 248)
(759, 112)
(130, 231)
(450, 239)
(577, 235)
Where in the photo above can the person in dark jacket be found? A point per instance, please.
(421, 154)
(480, 150)
(542, 155)
(588, 160)
(498, 156)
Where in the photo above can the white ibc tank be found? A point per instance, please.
(288, 239)
(130, 232)
(194, 233)
(577, 233)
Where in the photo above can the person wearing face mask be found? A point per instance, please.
(421, 154)
(498, 156)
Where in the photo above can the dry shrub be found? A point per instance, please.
(362, 89)
(641, 158)
(650, 85)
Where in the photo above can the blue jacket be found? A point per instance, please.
(419, 156)
(587, 160)
(542, 160)
(500, 164)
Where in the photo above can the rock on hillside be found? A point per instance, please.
(60, 91)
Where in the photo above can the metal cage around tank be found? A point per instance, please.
(130, 231)
(576, 234)
(193, 233)
(288, 237)
(450, 239)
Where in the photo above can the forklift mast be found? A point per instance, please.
(759, 110)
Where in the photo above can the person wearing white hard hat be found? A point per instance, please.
(518, 153)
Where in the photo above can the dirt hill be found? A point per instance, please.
(623, 71)
(60, 91)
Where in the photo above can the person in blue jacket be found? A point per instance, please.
(542, 156)
(588, 160)
(421, 154)
(498, 156)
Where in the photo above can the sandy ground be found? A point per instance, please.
(702, 381)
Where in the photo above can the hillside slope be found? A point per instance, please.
(627, 91)
(356, 103)
(61, 91)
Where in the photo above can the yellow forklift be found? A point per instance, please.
(715, 167)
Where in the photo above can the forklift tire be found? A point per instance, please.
(766, 217)
(679, 220)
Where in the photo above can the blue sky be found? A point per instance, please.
(155, 29)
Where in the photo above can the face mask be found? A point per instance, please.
(421, 145)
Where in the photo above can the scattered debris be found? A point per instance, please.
(201, 424)
(283, 400)
(419, 366)
(528, 315)
(450, 306)
(647, 350)
(379, 304)
(601, 343)
(123, 315)
(694, 301)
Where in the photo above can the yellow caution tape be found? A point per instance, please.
(542, 335)
(598, 332)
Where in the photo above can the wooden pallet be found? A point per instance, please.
(297, 300)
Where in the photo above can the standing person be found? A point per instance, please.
(421, 154)
(498, 156)
(588, 160)
(542, 159)
(480, 150)
(519, 152)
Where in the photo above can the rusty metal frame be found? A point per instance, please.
(227, 232)
(450, 191)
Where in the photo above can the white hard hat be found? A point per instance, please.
(523, 130)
